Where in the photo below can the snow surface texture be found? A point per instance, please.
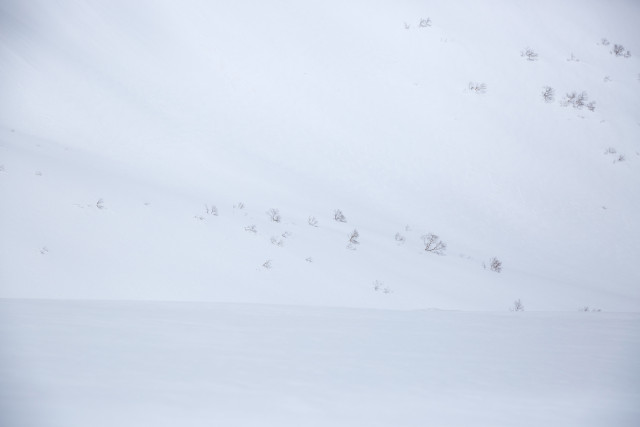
(143, 146)
(139, 364)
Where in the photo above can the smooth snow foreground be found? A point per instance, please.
(199, 364)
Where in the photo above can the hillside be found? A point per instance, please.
(159, 110)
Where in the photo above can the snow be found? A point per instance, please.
(78, 363)
(123, 123)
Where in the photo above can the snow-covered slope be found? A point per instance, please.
(159, 109)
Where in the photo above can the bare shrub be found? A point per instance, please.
(581, 100)
(590, 309)
(529, 54)
(44, 250)
(610, 150)
(339, 216)
(479, 88)
(569, 99)
(578, 101)
(517, 305)
(572, 58)
(353, 237)
(495, 265)
(433, 244)
(211, 210)
(400, 238)
(251, 228)
(618, 50)
(309, 259)
(312, 221)
(548, 94)
(424, 23)
(267, 264)
(238, 205)
(406, 26)
(378, 286)
(604, 42)
(274, 215)
(100, 204)
(277, 242)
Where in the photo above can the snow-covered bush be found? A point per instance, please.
(277, 242)
(517, 305)
(274, 215)
(378, 286)
(339, 216)
(619, 50)
(479, 88)
(353, 239)
(213, 210)
(548, 94)
(424, 23)
(495, 264)
(578, 101)
(433, 244)
(529, 54)
(400, 238)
